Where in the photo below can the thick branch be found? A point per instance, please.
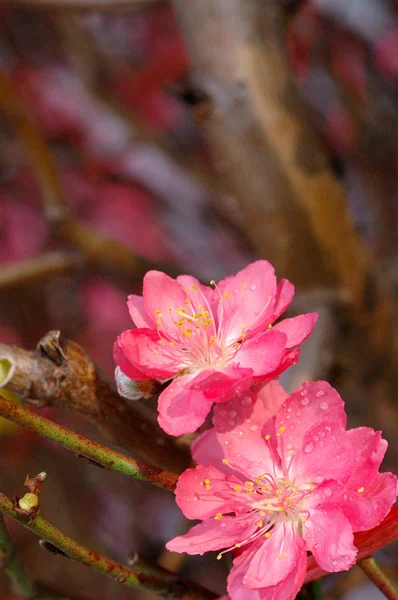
(10, 562)
(61, 374)
(367, 542)
(101, 455)
(168, 586)
(265, 150)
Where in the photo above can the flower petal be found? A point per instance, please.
(137, 311)
(148, 353)
(326, 453)
(162, 297)
(291, 585)
(370, 450)
(206, 450)
(283, 297)
(275, 558)
(311, 403)
(263, 353)
(235, 587)
(120, 358)
(204, 491)
(297, 329)
(182, 410)
(211, 535)
(329, 537)
(221, 385)
(366, 508)
(248, 298)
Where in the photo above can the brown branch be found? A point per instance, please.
(269, 158)
(101, 251)
(36, 269)
(61, 374)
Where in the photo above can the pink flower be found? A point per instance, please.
(281, 486)
(212, 343)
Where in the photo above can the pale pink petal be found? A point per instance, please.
(248, 299)
(182, 410)
(162, 297)
(239, 424)
(125, 365)
(148, 353)
(291, 585)
(275, 558)
(370, 450)
(221, 385)
(263, 353)
(137, 311)
(367, 507)
(326, 453)
(190, 284)
(329, 537)
(206, 450)
(310, 403)
(199, 499)
(297, 329)
(211, 535)
(283, 297)
(272, 395)
(235, 587)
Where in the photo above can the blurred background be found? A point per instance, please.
(128, 141)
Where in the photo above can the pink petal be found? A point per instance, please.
(220, 386)
(236, 589)
(211, 535)
(326, 453)
(182, 410)
(311, 403)
(125, 365)
(239, 425)
(248, 298)
(330, 539)
(291, 585)
(190, 283)
(137, 311)
(200, 501)
(265, 568)
(283, 297)
(206, 450)
(370, 450)
(263, 353)
(290, 358)
(368, 508)
(148, 353)
(297, 329)
(162, 293)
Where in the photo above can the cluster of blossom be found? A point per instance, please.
(277, 476)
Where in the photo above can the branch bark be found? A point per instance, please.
(61, 374)
(168, 585)
(265, 150)
(32, 270)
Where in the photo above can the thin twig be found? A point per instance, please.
(101, 455)
(169, 586)
(373, 571)
(61, 374)
(11, 564)
(35, 269)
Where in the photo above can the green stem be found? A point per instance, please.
(373, 571)
(110, 459)
(10, 562)
(169, 586)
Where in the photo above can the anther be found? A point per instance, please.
(259, 524)
(267, 535)
(280, 430)
(361, 489)
(218, 516)
(292, 452)
(225, 462)
(267, 437)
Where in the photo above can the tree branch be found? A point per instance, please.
(10, 562)
(35, 269)
(101, 455)
(169, 586)
(373, 571)
(61, 374)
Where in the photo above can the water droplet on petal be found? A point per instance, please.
(298, 413)
(246, 400)
(328, 428)
(253, 287)
(309, 447)
(254, 428)
(223, 524)
(223, 413)
(324, 405)
(232, 413)
(305, 401)
(289, 409)
(328, 492)
(320, 393)
(335, 562)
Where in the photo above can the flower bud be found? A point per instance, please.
(134, 390)
(29, 501)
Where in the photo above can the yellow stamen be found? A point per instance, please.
(225, 462)
(361, 489)
(218, 516)
(259, 524)
(267, 535)
(267, 437)
(280, 430)
(219, 556)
